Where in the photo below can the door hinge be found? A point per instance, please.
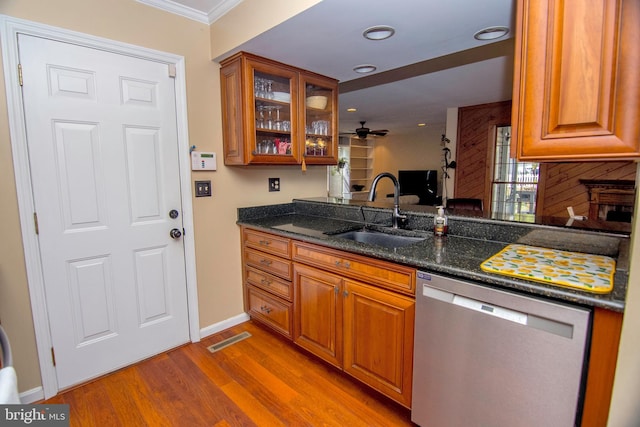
(172, 70)
(35, 222)
(53, 356)
(20, 74)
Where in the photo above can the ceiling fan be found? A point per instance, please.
(363, 132)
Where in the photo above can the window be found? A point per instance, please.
(515, 184)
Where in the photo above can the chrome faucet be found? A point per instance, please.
(396, 196)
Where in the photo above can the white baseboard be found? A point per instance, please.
(33, 395)
(225, 324)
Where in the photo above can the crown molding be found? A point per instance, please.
(219, 9)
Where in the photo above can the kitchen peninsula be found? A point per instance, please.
(303, 236)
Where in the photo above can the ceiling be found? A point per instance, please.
(431, 63)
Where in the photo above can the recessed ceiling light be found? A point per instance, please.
(491, 33)
(351, 110)
(421, 124)
(379, 32)
(364, 68)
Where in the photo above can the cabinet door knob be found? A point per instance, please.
(345, 293)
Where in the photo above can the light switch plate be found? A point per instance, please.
(203, 188)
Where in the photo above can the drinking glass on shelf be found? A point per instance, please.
(260, 119)
(269, 89)
(259, 87)
(269, 122)
(278, 123)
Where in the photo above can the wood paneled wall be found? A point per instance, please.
(559, 184)
(474, 152)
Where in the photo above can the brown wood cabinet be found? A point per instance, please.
(576, 82)
(357, 326)
(357, 313)
(267, 280)
(273, 113)
(603, 355)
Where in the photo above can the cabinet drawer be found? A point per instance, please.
(385, 274)
(269, 263)
(266, 242)
(268, 282)
(270, 310)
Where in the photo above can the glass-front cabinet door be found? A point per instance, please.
(320, 120)
(273, 115)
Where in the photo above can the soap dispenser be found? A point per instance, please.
(440, 223)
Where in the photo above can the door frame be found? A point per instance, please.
(9, 29)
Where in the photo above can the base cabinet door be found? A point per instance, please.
(318, 313)
(378, 339)
(362, 329)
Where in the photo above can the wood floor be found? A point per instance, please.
(260, 381)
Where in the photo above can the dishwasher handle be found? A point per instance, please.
(526, 319)
(476, 305)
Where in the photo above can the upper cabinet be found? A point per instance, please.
(576, 82)
(273, 113)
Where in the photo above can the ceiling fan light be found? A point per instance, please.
(379, 32)
(364, 68)
(491, 33)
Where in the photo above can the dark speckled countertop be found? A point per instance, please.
(469, 242)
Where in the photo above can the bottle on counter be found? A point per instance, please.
(440, 227)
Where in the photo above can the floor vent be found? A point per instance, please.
(229, 341)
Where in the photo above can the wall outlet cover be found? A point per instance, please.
(274, 184)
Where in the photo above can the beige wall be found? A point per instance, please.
(392, 154)
(217, 239)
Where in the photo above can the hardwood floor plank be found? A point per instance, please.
(213, 402)
(246, 401)
(133, 406)
(263, 380)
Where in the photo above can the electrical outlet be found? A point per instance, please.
(203, 188)
(274, 184)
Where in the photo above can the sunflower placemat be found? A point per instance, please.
(592, 273)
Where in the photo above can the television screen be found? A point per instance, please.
(423, 183)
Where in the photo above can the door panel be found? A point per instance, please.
(103, 150)
(318, 318)
(378, 332)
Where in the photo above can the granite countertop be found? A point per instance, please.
(469, 242)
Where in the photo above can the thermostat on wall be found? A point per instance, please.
(203, 161)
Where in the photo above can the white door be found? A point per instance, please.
(102, 141)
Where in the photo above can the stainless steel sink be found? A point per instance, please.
(379, 238)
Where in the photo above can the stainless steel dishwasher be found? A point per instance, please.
(486, 357)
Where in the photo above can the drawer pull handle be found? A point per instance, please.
(265, 282)
(265, 242)
(344, 264)
(265, 262)
(265, 309)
